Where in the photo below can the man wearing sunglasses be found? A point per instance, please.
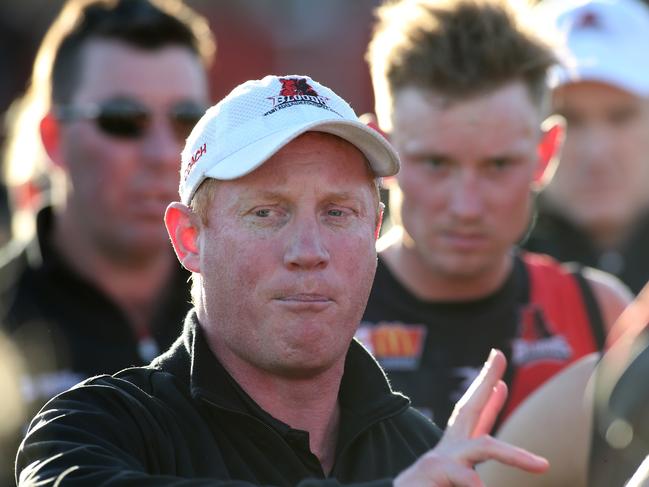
(98, 289)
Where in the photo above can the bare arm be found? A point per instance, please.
(554, 422)
(466, 442)
(612, 295)
(563, 434)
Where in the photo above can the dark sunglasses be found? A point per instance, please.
(129, 119)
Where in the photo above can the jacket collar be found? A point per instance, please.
(365, 394)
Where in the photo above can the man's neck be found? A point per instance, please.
(609, 237)
(429, 284)
(305, 403)
(133, 285)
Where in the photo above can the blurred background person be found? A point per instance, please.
(591, 419)
(255, 37)
(596, 208)
(461, 90)
(118, 86)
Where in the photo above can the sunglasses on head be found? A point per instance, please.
(129, 119)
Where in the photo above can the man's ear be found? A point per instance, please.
(548, 150)
(182, 227)
(371, 121)
(50, 129)
(379, 221)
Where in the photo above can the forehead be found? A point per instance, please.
(592, 94)
(111, 68)
(425, 120)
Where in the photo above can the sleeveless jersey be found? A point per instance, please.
(543, 318)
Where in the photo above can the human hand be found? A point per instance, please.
(466, 440)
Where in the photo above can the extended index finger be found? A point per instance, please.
(477, 398)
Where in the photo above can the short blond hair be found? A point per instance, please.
(458, 48)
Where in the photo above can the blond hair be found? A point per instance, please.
(457, 48)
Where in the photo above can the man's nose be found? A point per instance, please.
(306, 248)
(161, 145)
(595, 148)
(465, 200)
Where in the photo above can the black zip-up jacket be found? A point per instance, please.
(67, 329)
(65, 326)
(184, 421)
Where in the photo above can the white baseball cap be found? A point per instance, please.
(259, 117)
(600, 40)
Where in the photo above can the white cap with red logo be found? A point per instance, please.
(259, 117)
(600, 40)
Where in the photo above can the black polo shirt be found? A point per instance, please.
(65, 327)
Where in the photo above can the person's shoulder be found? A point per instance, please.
(606, 286)
(612, 295)
(543, 261)
(545, 270)
(143, 382)
(153, 381)
(137, 392)
(419, 431)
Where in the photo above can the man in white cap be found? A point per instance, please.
(596, 208)
(278, 222)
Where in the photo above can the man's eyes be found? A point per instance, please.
(436, 162)
(499, 163)
(263, 212)
(335, 212)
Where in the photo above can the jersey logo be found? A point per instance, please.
(535, 341)
(395, 345)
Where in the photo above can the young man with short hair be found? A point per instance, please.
(460, 88)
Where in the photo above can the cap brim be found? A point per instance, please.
(610, 75)
(382, 157)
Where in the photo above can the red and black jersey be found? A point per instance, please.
(543, 318)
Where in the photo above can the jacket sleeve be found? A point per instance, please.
(92, 436)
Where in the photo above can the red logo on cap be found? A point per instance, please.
(295, 87)
(297, 91)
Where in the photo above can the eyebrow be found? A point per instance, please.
(427, 154)
(278, 195)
